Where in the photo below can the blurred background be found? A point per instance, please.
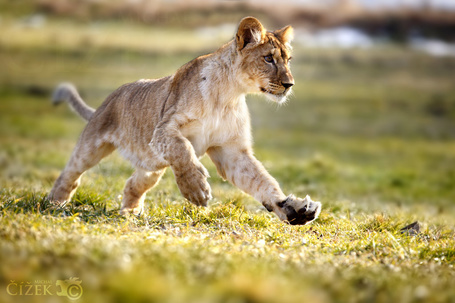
(372, 119)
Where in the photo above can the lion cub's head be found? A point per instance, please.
(264, 59)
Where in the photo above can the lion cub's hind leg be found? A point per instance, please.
(136, 187)
(86, 154)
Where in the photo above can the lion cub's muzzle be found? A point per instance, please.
(279, 90)
(287, 81)
(300, 211)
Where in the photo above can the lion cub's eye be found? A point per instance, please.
(268, 59)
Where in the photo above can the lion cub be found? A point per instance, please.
(175, 120)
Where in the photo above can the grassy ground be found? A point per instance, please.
(370, 133)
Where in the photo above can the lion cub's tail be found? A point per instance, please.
(66, 92)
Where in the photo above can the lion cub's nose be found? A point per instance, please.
(287, 85)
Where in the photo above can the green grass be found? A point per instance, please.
(370, 133)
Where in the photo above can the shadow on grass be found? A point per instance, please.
(94, 209)
(83, 205)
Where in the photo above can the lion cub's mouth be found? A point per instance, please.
(277, 97)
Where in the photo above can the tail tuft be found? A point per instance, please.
(67, 92)
(63, 92)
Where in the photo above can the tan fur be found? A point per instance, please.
(175, 120)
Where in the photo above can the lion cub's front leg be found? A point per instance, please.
(190, 175)
(239, 166)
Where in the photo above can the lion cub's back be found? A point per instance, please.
(130, 113)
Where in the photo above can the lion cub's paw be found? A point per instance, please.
(297, 211)
(136, 211)
(54, 203)
(194, 186)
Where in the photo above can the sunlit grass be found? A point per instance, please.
(220, 248)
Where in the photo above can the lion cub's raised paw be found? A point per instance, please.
(193, 185)
(297, 211)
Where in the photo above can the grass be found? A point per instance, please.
(370, 133)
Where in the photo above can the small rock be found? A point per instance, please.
(412, 229)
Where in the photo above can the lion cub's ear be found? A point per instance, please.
(285, 35)
(250, 31)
